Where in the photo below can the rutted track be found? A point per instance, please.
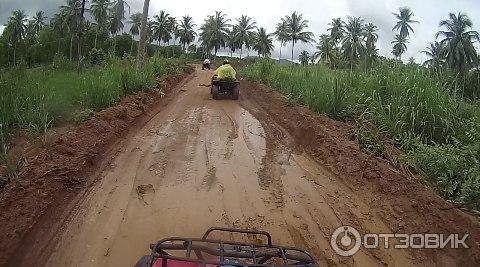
(201, 163)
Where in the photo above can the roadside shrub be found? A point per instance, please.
(452, 171)
(11, 168)
(170, 51)
(132, 81)
(472, 85)
(63, 63)
(97, 56)
(368, 142)
(83, 115)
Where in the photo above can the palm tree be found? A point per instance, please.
(117, 15)
(296, 30)
(143, 37)
(115, 24)
(71, 14)
(38, 22)
(161, 27)
(17, 28)
(326, 49)
(404, 20)
(281, 34)
(232, 40)
(150, 32)
(119, 9)
(136, 21)
(99, 11)
(436, 52)
(214, 31)
(337, 30)
(458, 39)
(304, 57)
(185, 31)
(263, 42)
(245, 26)
(371, 37)
(353, 46)
(58, 25)
(250, 41)
(399, 46)
(173, 28)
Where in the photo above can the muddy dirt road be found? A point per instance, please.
(201, 163)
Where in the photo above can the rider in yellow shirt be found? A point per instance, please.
(226, 72)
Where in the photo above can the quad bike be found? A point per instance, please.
(228, 88)
(207, 252)
(206, 66)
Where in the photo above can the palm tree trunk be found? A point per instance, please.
(79, 47)
(14, 55)
(143, 37)
(114, 43)
(71, 47)
(131, 46)
(280, 57)
(241, 51)
(96, 37)
(293, 45)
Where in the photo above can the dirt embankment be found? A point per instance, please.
(401, 202)
(57, 168)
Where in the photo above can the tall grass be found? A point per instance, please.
(35, 99)
(439, 132)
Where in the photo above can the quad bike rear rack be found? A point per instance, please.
(215, 252)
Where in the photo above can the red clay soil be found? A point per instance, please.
(405, 205)
(56, 168)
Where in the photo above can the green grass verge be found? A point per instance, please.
(34, 100)
(439, 132)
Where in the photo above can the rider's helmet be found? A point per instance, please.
(225, 62)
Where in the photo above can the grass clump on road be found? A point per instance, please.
(420, 113)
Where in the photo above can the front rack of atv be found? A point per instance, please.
(214, 252)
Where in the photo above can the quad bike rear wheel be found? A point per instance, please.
(215, 90)
(235, 92)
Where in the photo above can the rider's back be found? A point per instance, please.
(226, 72)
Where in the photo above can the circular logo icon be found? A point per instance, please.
(346, 241)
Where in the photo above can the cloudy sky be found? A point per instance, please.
(319, 12)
